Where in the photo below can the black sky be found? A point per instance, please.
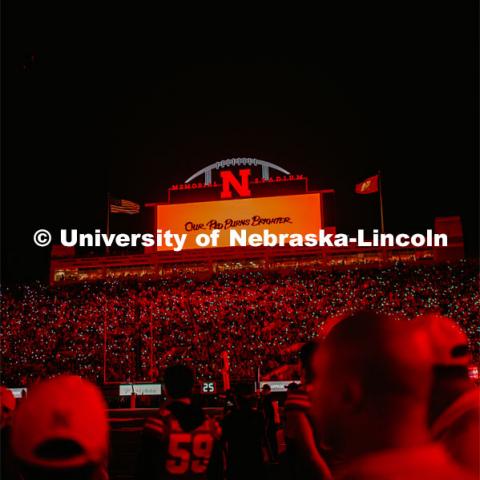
(133, 102)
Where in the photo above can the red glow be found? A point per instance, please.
(229, 180)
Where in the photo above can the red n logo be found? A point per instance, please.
(229, 180)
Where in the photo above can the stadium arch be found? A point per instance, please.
(236, 162)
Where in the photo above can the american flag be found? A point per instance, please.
(124, 206)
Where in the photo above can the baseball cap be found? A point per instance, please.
(448, 342)
(62, 424)
(329, 323)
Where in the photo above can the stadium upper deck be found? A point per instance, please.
(235, 199)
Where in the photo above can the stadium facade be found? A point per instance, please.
(242, 193)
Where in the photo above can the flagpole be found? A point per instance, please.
(382, 223)
(107, 249)
(105, 345)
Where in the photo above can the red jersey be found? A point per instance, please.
(180, 442)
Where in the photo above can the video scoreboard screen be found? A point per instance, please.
(289, 214)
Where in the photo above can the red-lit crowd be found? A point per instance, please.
(257, 317)
(380, 397)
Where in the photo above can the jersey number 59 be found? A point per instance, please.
(189, 453)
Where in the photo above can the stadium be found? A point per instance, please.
(234, 315)
(301, 230)
(237, 252)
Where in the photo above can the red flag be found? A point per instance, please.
(370, 185)
(225, 371)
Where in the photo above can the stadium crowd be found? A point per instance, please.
(379, 398)
(257, 317)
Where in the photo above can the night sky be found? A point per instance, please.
(132, 102)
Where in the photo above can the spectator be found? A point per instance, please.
(269, 409)
(7, 404)
(455, 400)
(180, 441)
(303, 457)
(370, 401)
(244, 436)
(60, 432)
